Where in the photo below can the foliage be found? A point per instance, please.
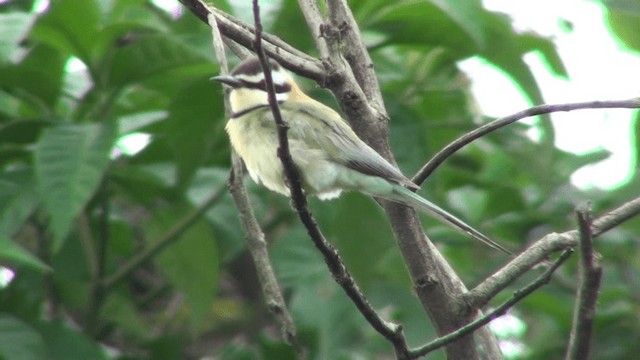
(75, 210)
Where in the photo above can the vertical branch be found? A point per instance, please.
(315, 20)
(254, 235)
(589, 276)
(355, 51)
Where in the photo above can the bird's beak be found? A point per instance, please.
(228, 80)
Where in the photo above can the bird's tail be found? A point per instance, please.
(416, 201)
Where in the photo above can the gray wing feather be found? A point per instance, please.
(339, 141)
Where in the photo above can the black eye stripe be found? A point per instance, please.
(280, 88)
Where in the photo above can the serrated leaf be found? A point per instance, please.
(18, 341)
(70, 161)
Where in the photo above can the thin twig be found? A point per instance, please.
(315, 22)
(253, 233)
(260, 256)
(466, 139)
(589, 277)
(495, 313)
(156, 246)
(542, 248)
(341, 275)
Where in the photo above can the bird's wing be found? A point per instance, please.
(321, 127)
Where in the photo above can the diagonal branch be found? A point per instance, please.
(243, 33)
(590, 274)
(466, 139)
(542, 248)
(495, 313)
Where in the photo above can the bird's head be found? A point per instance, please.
(248, 89)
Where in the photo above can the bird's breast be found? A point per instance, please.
(256, 144)
(255, 139)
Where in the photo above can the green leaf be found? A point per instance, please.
(353, 220)
(135, 122)
(190, 262)
(70, 161)
(140, 184)
(454, 25)
(191, 134)
(22, 132)
(506, 49)
(152, 55)
(623, 17)
(636, 138)
(18, 200)
(36, 80)
(120, 311)
(223, 217)
(18, 341)
(14, 254)
(296, 261)
(73, 27)
(64, 343)
(14, 28)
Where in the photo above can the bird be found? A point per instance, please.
(330, 157)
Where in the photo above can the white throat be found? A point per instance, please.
(244, 99)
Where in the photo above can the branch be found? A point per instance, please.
(495, 313)
(242, 33)
(590, 274)
(338, 270)
(542, 248)
(315, 21)
(255, 237)
(260, 256)
(155, 247)
(355, 51)
(466, 139)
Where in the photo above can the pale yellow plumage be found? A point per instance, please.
(329, 155)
